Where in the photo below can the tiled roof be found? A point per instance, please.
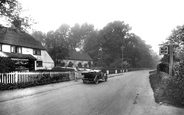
(73, 55)
(19, 38)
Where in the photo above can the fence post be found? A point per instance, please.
(16, 77)
(70, 75)
(116, 71)
(107, 72)
(76, 76)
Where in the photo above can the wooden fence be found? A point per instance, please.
(24, 77)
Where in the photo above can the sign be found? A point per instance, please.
(163, 50)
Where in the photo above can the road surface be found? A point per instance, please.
(126, 94)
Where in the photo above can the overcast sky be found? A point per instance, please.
(152, 20)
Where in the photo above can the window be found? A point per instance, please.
(0, 47)
(39, 64)
(36, 52)
(16, 49)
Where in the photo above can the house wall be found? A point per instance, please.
(48, 63)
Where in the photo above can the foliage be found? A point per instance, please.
(55, 42)
(103, 46)
(70, 64)
(11, 10)
(85, 65)
(167, 89)
(177, 37)
(40, 79)
(6, 65)
(40, 36)
(90, 64)
(79, 64)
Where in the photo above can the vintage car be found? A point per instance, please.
(94, 76)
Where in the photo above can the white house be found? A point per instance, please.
(79, 59)
(24, 49)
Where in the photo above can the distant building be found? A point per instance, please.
(28, 53)
(78, 59)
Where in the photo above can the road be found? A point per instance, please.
(126, 94)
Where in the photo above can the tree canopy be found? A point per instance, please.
(177, 37)
(104, 46)
(10, 10)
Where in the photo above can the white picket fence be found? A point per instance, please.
(23, 77)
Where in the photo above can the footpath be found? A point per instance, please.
(20, 93)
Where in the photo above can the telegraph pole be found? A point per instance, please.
(171, 58)
(122, 48)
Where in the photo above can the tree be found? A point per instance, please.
(58, 53)
(11, 10)
(89, 64)
(177, 37)
(137, 53)
(56, 42)
(80, 64)
(111, 39)
(78, 34)
(40, 36)
(91, 46)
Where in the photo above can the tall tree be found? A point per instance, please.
(40, 36)
(57, 43)
(11, 10)
(78, 34)
(111, 39)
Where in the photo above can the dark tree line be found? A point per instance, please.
(104, 46)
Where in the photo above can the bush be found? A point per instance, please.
(168, 89)
(79, 64)
(70, 64)
(6, 65)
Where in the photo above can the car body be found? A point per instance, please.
(94, 76)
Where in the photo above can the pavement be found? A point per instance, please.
(20, 93)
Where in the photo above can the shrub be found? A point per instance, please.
(6, 65)
(70, 64)
(80, 64)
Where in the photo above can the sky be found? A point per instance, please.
(152, 20)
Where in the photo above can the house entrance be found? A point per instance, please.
(31, 65)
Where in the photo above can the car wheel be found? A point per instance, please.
(84, 82)
(96, 80)
(106, 79)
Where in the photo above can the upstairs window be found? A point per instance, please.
(16, 49)
(36, 52)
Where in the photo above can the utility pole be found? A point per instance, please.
(171, 58)
(122, 48)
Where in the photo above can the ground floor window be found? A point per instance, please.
(39, 64)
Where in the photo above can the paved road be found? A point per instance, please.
(127, 94)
